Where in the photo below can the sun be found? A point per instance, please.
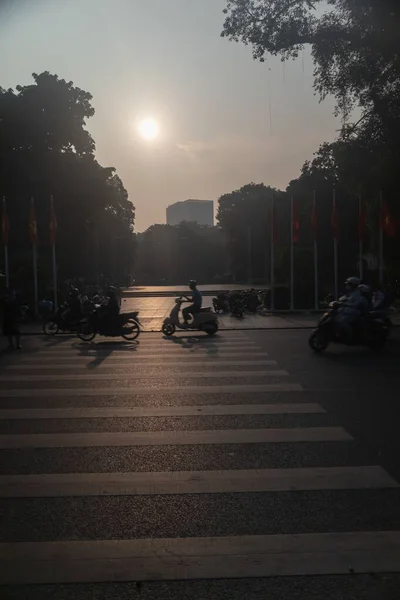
(148, 129)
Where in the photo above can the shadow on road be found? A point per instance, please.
(100, 351)
(210, 344)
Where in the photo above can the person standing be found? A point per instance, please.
(11, 319)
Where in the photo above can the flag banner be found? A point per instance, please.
(362, 222)
(53, 223)
(296, 224)
(33, 230)
(5, 226)
(386, 222)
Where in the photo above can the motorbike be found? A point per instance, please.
(65, 320)
(371, 331)
(205, 320)
(238, 308)
(126, 325)
(220, 303)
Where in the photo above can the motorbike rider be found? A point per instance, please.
(196, 300)
(110, 311)
(73, 305)
(354, 305)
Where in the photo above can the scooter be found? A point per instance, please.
(373, 332)
(205, 320)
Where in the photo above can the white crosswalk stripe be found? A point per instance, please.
(194, 482)
(110, 376)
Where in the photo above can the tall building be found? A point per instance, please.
(199, 211)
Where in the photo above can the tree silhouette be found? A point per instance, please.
(46, 150)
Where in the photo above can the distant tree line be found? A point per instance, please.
(171, 255)
(46, 150)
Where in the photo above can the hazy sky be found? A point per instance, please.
(165, 59)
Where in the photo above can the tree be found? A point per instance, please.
(177, 254)
(356, 51)
(244, 216)
(355, 44)
(46, 150)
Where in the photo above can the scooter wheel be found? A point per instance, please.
(86, 331)
(168, 329)
(50, 327)
(210, 328)
(318, 341)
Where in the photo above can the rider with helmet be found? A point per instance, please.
(196, 300)
(110, 310)
(354, 305)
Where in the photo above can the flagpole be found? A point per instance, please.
(34, 260)
(335, 249)
(316, 294)
(54, 261)
(249, 253)
(272, 257)
(291, 256)
(5, 240)
(6, 266)
(381, 240)
(35, 282)
(360, 238)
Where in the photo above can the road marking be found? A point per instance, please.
(166, 364)
(200, 558)
(164, 345)
(161, 411)
(166, 438)
(143, 356)
(167, 344)
(135, 376)
(147, 391)
(194, 482)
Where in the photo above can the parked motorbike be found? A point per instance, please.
(238, 308)
(220, 302)
(64, 320)
(126, 325)
(371, 331)
(205, 320)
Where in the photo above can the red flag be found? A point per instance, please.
(33, 230)
(362, 222)
(386, 222)
(296, 224)
(53, 223)
(335, 221)
(5, 226)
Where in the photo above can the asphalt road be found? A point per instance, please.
(240, 466)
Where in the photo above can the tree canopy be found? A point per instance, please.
(355, 44)
(175, 254)
(45, 149)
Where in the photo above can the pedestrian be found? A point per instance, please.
(11, 319)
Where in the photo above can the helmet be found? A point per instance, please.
(192, 284)
(353, 281)
(111, 290)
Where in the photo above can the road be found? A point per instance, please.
(240, 466)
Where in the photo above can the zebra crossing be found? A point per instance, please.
(207, 432)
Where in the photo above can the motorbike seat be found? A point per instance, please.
(206, 309)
